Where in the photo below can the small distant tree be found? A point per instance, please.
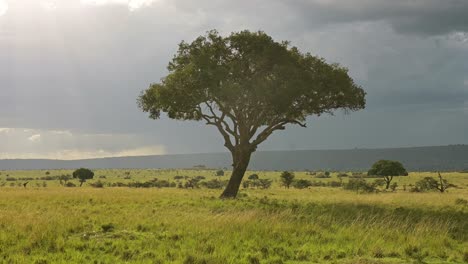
(64, 179)
(287, 178)
(430, 184)
(220, 173)
(264, 183)
(387, 169)
(82, 175)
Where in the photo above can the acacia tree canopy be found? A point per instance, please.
(83, 174)
(387, 169)
(247, 85)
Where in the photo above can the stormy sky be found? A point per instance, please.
(71, 70)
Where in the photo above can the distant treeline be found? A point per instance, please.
(443, 158)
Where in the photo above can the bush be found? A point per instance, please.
(11, 179)
(220, 173)
(214, 184)
(360, 185)
(431, 184)
(108, 228)
(260, 183)
(98, 184)
(70, 184)
(253, 177)
(264, 183)
(301, 184)
(49, 178)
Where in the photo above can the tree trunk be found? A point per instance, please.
(388, 180)
(241, 161)
(81, 183)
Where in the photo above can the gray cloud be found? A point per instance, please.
(79, 68)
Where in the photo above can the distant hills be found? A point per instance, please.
(444, 158)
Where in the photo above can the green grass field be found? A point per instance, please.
(49, 223)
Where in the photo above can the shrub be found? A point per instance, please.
(253, 177)
(98, 184)
(220, 173)
(359, 185)
(108, 228)
(214, 184)
(264, 183)
(70, 184)
(301, 184)
(11, 179)
(431, 184)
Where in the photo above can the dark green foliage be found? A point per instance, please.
(82, 175)
(360, 185)
(155, 183)
(387, 169)
(431, 184)
(70, 184)
(301, 184)
(64, 179)
(178, 177)
(379, 182)
(253, 177)
(214, 184)
(199, 178)
(107, 228)
(192, 183)
(220, 173)
(98, 184)
(248, 86)
(287, 178)
(264, 183)
(49, 178)
(259, 183)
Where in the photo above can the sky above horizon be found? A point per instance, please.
(71, 71)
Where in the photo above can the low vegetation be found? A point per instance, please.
(175, 216)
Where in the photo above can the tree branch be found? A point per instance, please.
(279, 125)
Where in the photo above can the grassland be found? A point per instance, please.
(55, 224)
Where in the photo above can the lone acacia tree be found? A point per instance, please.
(248, 86)
(387, 169)
(82, 175)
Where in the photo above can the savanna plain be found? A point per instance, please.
(123, 216)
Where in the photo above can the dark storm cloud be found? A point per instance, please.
(80, 68)
(426, 17)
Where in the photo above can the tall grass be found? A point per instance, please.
(169, 225)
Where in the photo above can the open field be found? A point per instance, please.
(48, 223)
